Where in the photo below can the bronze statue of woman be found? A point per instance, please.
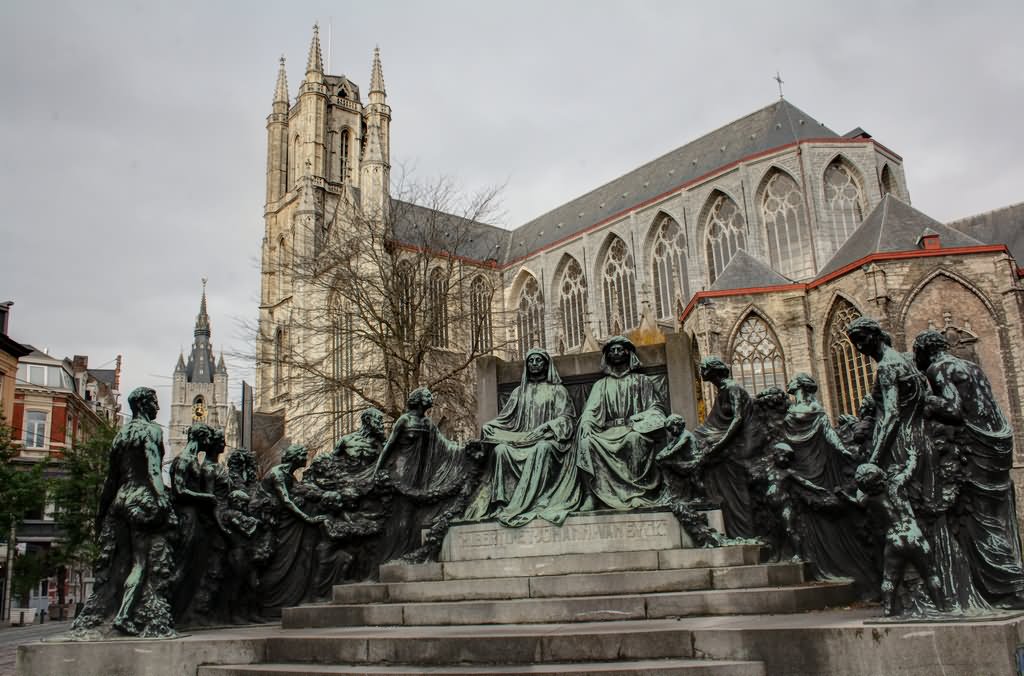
(533, 433)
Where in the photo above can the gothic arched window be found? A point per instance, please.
(756, 359)
(572, 299)
(343, 155)
(279, 361)
(786, 226)
(852, 373)
(844, 198)
(668, 268)
(282, 262)
(530, 316)
(343, 369)
(888, 185)
(726, 233)
(480, 314)
(293, 162)
(619, 282)
(405, 293)
(437, 302)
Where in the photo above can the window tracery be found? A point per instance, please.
(668, 265)
(844, 197)
(480, 314)
(787, 227)
(726, 234)
(852, 372)
(756, 358)
(619, 284)
(437, 301)
(530, 316)
(572, 303)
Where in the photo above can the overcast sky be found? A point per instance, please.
(134, 140)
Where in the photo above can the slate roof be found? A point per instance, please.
(775, 125)
(893, 225)
(1000, 226)
(744, 271)
(474, 240)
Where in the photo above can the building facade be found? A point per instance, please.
(199, 387)
(759, 241)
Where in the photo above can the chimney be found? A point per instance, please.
(5, 311)
(79, 363)
(117, 375)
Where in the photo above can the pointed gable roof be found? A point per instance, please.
(893, 225)
(777, 124)
(744, 271)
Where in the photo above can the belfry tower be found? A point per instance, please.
(199, 390)
(328, 156)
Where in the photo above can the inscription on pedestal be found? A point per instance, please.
(583, 534)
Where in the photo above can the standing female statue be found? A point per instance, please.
(427, 472)
(723, 454)
(901, 444)
(293, 533)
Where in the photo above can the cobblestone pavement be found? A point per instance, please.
(12, 637)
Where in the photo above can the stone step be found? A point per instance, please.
(766, 600)
(530, 566)
(671, 667)
(584, 584)
(516, 644)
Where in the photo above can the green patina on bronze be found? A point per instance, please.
(613, 466)
(135, 519)
(533, 434)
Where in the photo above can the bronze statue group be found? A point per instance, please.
(911, 499)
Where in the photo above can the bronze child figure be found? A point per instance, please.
(904, 540)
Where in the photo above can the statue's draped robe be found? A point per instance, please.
(286, 579)
(519, 482)
(988, 531)
(899, 382)
(726, 475)
(426, 471)
(829, 539)
(614, 463)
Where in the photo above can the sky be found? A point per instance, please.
(134, 139)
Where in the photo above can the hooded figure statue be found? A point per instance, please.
(533, 433)
(614, 466)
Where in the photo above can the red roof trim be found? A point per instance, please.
(693, 181)
(870, 258)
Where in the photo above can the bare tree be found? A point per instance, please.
(389, 301)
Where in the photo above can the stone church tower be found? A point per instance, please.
(327, 156)
(199, 391)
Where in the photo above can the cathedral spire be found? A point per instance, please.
(315, 63)
(180, 368)
(281, 90)
(376, 75)
(203, 319)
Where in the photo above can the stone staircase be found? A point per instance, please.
(603, 614)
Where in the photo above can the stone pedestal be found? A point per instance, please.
(593, 533)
